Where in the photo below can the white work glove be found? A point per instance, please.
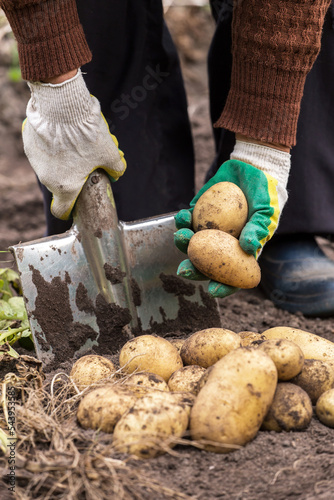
(65, 138)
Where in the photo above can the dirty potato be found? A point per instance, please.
(151, 354)
(178, 343)
(146, 380)
(251, 339)
(219, 256)
(186, 379)
(91, 369)
(325, 408)
(205, 347)
(103, 407)
(313, 346)
(315, 378)
(287, 356)
(152, 425)
(291, 409)
(223, 206)
(232, 404)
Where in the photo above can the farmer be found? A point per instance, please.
(124, 56)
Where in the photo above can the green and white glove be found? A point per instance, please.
(65, 138)
(261, 173)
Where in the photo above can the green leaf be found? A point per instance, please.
(13, 353)
(6, 311)
(14, 323)
(19, 308)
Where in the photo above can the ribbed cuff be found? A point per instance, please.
(263, 103)
(270, 160)
(50, 38)
(64, 103)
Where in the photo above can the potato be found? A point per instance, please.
(152, 424)
(203, 380)
(178, 343)
(223, 206)
(186, 379)
(91, 369)
(313, 346)
(287, 356)
(325, 408)
(219, 256)
(291, 409)
(103, 407)
(251, 339)
(232, 404)
(315, 378)
(146, 380)
(152, 354)
(205, 347)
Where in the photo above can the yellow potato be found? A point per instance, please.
(315, 378)
(232, 404)
(152, 424)
(313, 346)
(205, 347)
(251, 339)
(325, 408)
(146, 380)
(186, 379)
(223, 206)
(152, 354)
(219, 256)
(291, 409)
(287, 356)
(103, 407)
(91, 369)
(203, 380)
(178, 343)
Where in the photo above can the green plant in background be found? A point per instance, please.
(14, 324)
(14, 72)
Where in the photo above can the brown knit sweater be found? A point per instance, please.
(275, 43)
(50, 37)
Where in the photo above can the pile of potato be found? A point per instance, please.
(217, 388)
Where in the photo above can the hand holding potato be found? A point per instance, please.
(265, 195)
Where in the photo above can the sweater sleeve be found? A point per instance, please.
(49, 35)
(274, 45)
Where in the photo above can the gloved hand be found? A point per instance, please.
(65, 138)
(262, 174)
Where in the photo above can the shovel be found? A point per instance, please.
(104, 281)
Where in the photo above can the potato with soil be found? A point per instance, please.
(232, 404)
(146, 380)
(325, 408)
(287, 356)
(91, 369)
(101, 408)
(223, 206)
(186, 379)
(291, 409)
(205, 347)
(153, 424)
(251, 339)
(151, 354)
(178, 343)
(315, 378)
(313, 346)
(219, 256)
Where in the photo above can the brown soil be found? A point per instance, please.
(275, 465)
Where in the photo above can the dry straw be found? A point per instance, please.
(56, 459)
